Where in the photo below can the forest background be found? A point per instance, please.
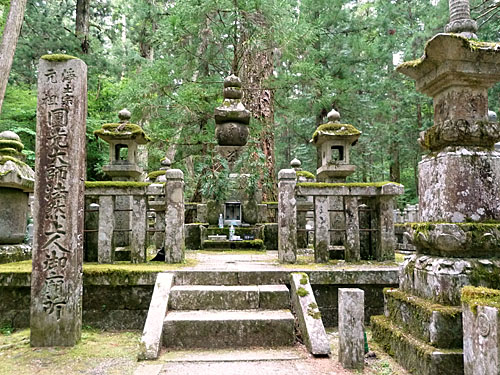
(165, 61)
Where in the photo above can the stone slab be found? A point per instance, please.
(274, 297)
(413, 354)
(153, 329)
(214, 297)
(220, 329)
(308, 315)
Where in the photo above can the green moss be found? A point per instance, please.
(410, 64)
(7, 143)
(127, 131)
(301, 292)
(191, 204)
(484, 275)
(4, 159)
(325, 185)
(58, 57)
(270, 203)
(154, 174)
(333, 128)
(305, 174)
(313, 311)
(421, 304)
(116, 184)
(480, 296)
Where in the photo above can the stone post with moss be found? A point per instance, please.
(321, 229)
(174, 216)
(458, 242)
(56, 278)
(481, 322)
(105, 245)
(287, 216)
(16, 182)
(352, 245)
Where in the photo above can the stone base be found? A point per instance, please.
(14, 253)
(413, 354)
(460, 184)
(441, 279)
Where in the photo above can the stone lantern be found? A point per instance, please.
(16, 182)
(123, 139)
(334, 141)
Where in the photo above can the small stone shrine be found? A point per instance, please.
(16, 182)
(458, 239)
(56, 277)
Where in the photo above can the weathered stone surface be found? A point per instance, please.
(287, 216)
(138, 235)
(214, 297)
(90, 243)
(308, 315)
(274, 297)
(153, 329)
(322, 229)
(14, 253)
(174, 216)
(192, 236)
(414, 354)
(460, 185)
(191, 329)
(352, 244)
(13, 211)
(435, 324)
(56, 283)
(105, 243)
(481, 338)
(231, 134)
(386, 239)
(351, 328)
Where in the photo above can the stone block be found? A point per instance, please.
(271, 236)
(351, 328)
(322, 228)
(174, 216)
(214, 297)
(287, 216)
(228, 329)
(13, 214)
(308, 315)
(274, 297)
(192, 236)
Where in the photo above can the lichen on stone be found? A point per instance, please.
(305, 174)
(333, 128)
(125, 131)
(480, 296)
(302, 292)
(154, 174)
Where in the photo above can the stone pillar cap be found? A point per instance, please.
(333, 116)
(9, 135)
(287, 174)
(492, 116)
(295, 163)
(174, 174)
(124, 115)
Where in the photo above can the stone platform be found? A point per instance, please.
(118, 296)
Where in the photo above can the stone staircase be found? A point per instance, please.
(424, 336)
(222, 316)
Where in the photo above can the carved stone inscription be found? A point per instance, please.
(56, 282)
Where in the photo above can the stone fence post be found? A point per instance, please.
(56, 278)
(351, 327)
(174, 216)
(105, 243)
(287, 216)
(321, 229)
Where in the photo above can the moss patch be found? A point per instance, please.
(305, 174)
(270, 203)
(301, 292)
(154, 174)
(115, 184)
(58, 57)
(480, 296)
(123, 131)
(325, 185)
(7, 143)
(333, 128)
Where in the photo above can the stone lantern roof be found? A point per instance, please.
(122, 130)
(14, 172)
(333, 130)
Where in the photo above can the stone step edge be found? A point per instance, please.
(427, 357)
(228, 315)
(425, 314)
(280, 288)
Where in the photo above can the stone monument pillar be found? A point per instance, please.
(16, 182)
(56, 278)
(174, 216)
(459, 184)
(287, 216)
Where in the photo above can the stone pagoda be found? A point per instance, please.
(16, 182)
(334, 141)
(232, 120)
(458, 240)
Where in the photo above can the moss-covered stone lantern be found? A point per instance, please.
(16, 182)
(123, 139)
(334, 141)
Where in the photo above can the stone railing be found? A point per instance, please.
(166, 201)
(361, 213)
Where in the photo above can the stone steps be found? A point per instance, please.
(435, 324)
(222, 316)
(228, 328)
(413, 354)
(232, 297)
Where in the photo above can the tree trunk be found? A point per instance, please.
(256, 67)
(395, 168)
(9, 41)
(83, 24)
